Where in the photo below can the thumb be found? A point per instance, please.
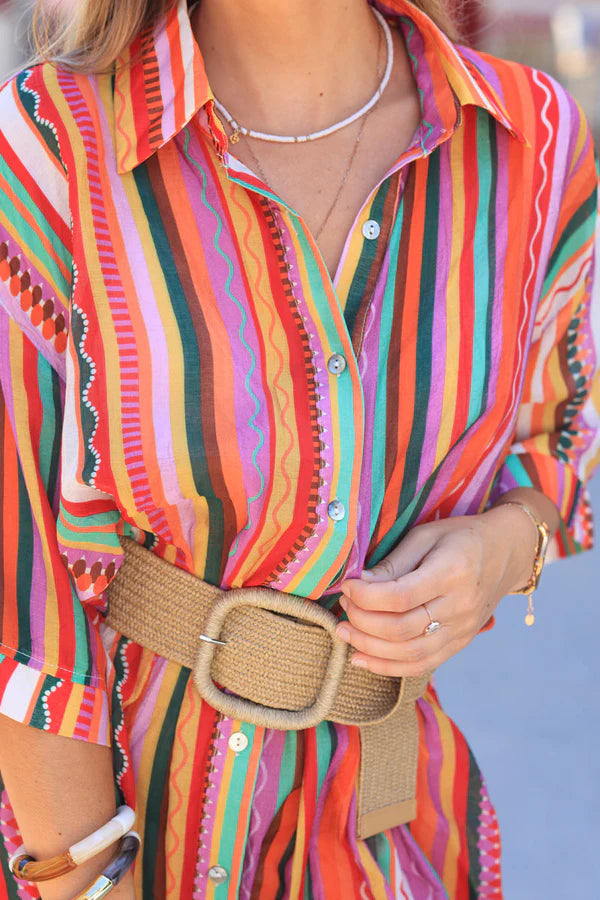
(406, 557)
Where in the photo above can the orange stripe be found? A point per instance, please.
(246, 802)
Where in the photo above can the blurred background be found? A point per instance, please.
(525, 697)
(561, 37)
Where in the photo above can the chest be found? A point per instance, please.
(328, 181)
(207, 327)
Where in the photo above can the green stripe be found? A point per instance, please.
(87, 414)
(473, 813)
(350, 446)
(287, 769)
(405, 521)
(24, 570)
(356, 294)
(30, 237)
(491, 244)
(83, 664)
(251, 367)
(30, 100)
(571, 239)
(39, 716)
(50, 432)
(100, 520)
(483, 267)
(116, 716)
(191, 372)
(232, 828)
(388, 308)
(424, 348)
(518, 471)
(326, 739)
(158, 780)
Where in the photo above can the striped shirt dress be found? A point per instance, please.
(166, 322)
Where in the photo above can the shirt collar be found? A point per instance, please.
(160, 84)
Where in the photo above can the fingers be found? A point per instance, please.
(440, 565)
(411, 650)
(446, 567)
(387, 625)
(406, 556)
(435, 575)
(414, 658)
(417, 657)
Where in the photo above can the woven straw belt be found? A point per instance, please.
(283, 666)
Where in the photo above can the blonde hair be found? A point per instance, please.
(95, 33)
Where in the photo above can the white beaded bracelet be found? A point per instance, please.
(25, 867)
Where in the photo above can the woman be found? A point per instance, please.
(278, 364)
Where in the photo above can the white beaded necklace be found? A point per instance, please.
(314, 135)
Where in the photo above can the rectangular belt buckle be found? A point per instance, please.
(247, 710)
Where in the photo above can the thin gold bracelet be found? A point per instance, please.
(543, 537)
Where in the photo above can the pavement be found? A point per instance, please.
(527, 701)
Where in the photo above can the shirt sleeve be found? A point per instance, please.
(557, 438)
(53, 667)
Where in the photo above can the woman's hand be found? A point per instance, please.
(460, 567)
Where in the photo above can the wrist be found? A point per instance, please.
(72, 883)
(515, 531)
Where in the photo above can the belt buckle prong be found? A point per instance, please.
(209, 640)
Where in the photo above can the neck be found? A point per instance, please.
(289, 67)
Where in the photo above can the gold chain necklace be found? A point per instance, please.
(349, 165)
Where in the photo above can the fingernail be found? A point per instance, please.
(359, 663)
(343, 632)
(343, 602)
(368, 575)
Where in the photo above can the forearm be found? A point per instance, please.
(61, 790)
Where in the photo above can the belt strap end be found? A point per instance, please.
(378, 820)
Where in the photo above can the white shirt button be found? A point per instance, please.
(336, 510)
(238, 741)
(218, 874)
(336, 364)
(371, 230)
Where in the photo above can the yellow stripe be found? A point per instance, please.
(72, 710)
(180, 784)
(168, 680)
(446, 786)
(299, 845)
(28, 454)
(220, 811)
(278, 378)
(452, 301)
(376, 882)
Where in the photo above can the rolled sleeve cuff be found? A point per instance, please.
(60, 706)
(558, 480)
